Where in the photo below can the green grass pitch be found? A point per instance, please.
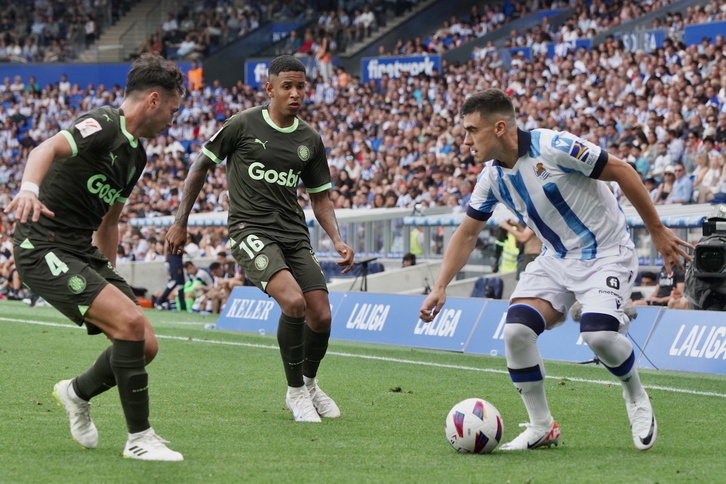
(218, 396)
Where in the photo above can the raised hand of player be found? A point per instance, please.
(176, 236)
(347, 255)
(432, 305)
(669, 246)
(26, 203)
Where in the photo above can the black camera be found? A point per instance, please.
(710, 259)
(710, 256)
(706, 275)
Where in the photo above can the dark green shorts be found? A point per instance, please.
(261, 258)
(69, 278)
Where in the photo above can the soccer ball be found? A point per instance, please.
(474, 426)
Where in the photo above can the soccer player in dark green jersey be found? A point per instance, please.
(269, 150)
(67, 210)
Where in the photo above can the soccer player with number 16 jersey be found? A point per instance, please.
(269, 151)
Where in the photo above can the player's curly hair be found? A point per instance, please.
(151, 70)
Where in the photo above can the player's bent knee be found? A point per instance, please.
(293, 305)
(320, 324)
(517, 335)
(599, 341)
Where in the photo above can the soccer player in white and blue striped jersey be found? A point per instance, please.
(554, 183)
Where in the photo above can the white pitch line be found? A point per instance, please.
(383, 358)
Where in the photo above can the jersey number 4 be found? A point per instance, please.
(55, 265)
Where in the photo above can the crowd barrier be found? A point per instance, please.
(680, 340)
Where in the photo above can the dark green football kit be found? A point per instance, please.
(55, 256)
(265, 163)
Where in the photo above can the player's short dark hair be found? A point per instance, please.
(214, 265)
(151, 70)
(488, 103)
(285, 63)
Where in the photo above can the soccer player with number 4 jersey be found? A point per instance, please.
(269, 151)
(553, 182)
(67, 211)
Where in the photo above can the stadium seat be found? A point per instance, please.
(488, 287)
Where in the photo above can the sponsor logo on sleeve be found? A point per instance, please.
(562, 144)
(88, 126)
(582, 152)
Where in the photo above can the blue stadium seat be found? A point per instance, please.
(488, 287)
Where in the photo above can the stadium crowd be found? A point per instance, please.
(54, 30)
(397, 143)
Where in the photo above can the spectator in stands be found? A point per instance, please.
(721, 129)
(292, 43)
(195, 76)
(701, 71)
(708, 179)
(662, 161)
(213, 295)
(675, 146)
(156, 45)
(364, 22)
(668, 281)
(682, 186)
(648, 279)
(408, 260)
(708, 145)
(665, 188)
(170, 27)
(89, 28)
(324, 57)
(190, 49)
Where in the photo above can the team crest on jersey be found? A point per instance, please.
(261, 262)
(613, 282)
(76, 283)
(303, 152)
(88, 126)
(540, 171)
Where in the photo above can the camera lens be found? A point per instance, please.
(710, 259)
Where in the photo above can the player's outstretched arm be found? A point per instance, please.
(176, 236)
(457, 255)
(325, 215)
(664, 239)
(26, 203)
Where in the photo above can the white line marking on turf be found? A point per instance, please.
(383, 358)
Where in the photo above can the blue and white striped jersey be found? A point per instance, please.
(553, 189)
